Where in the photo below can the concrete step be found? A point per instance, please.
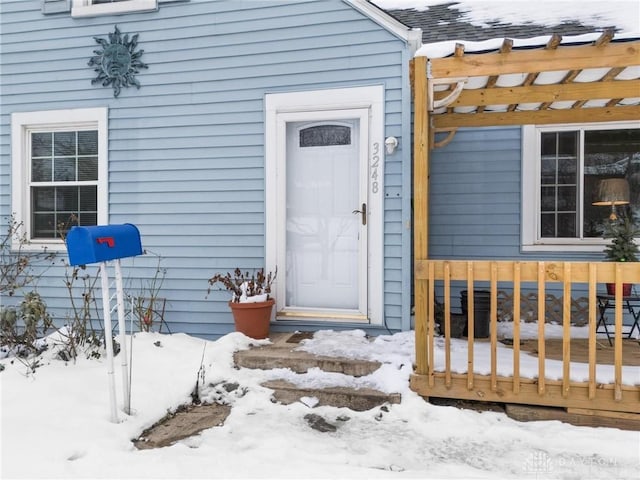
(358, 399)
(282, 353)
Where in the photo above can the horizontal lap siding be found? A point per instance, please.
(186, 151)
(474, 203)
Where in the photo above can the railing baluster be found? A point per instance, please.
(470, 342)
(493, 318)
(430, 327)
(471, 311)
(617, 348)
(447, 324)
(592, 329)
(541, 320)
(566, 330)
(516, 326)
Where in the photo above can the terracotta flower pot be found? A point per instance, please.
(252, 319)
(626, 289)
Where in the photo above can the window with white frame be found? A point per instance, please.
(562, 176)
(91, 8)
(59, 172)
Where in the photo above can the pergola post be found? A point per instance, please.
(420, 205)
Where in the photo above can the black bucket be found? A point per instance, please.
(481, 311)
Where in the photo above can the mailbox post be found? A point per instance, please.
(101, 244)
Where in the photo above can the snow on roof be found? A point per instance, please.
(623, 14)
(446, 48)
(481, 25)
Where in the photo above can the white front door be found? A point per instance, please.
(326, 231)
(324, 205)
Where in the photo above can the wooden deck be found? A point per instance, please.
(619, 392)
(605, 353)
(621, 395)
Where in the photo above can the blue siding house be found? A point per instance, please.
(261, 134)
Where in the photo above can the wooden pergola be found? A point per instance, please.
(554, 83)
(440, 95)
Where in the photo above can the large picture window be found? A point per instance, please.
(58, 172)
(564, 171)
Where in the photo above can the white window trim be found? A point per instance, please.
(21, 124)
(339, 99)
(530, 229)
(84, 8)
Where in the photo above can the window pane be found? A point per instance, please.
(88, 168)
(64, 170)
(43, 199)
(89, 199)
(566, 225)
(325, 135)
(41, 144)
(568, 170)
(64, 144)
(87, 219)
(88, 214)
(43, 225)
(548, 144)
(609, 154)
(568, 143)
(567, 199)
(548, 199)
(548, 171)
(548, 225)
(41, 170)
(88, 143)
(67, 199)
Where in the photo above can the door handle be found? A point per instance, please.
(362, 212)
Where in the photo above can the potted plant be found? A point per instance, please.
(251, 301)
(623, 248)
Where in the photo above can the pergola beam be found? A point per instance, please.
(579, 57)
(537, 117)
(548, 93)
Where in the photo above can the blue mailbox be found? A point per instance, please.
(101, 243)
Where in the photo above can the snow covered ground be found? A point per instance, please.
(55, 423)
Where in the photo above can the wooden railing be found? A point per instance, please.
(621, 395)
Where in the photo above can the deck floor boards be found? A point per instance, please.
(580, 350)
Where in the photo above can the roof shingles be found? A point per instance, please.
(441, 23)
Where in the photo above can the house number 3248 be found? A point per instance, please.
(375, 163)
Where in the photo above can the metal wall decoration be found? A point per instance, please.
(118, 62)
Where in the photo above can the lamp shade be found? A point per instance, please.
(612, 191)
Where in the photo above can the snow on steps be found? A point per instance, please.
(360, 399)
(282, 353)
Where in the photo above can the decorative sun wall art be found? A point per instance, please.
(118, 62)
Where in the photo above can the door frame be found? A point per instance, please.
(321, 104)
